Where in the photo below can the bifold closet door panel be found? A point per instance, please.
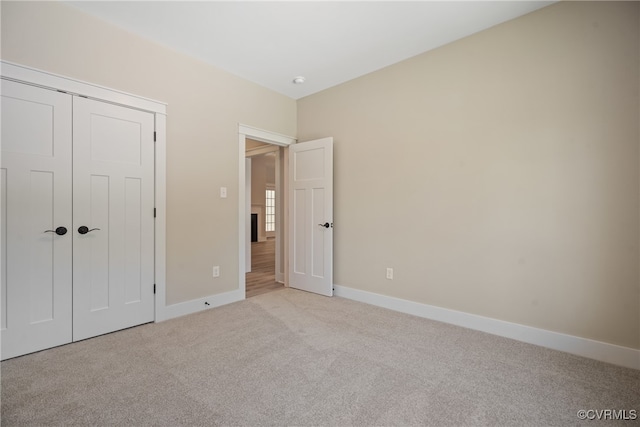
(35, 179)
(113, 230)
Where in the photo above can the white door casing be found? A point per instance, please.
(311, 216)
(268, 137)
(113, 184)
(36, 197)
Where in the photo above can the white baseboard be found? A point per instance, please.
(196, 305)
(610, 353)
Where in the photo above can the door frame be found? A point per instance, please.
(35, 77)
(273, 138)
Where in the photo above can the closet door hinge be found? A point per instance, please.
(154, 136)
(154, 212)
(154, 288)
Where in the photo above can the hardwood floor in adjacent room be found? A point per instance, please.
(262, 278)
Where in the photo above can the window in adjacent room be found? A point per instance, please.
(270, 214)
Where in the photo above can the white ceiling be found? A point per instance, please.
(328, 42)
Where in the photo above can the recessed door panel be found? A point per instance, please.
(309, 165)
(299, 231)
(115, 140)
(133, 240)
(96, 243)
(38, 139)
(41, 255)
(318, 233)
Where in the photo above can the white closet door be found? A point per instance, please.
(113, 185)
(35, 197)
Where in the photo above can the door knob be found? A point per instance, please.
(325, 225)
(83, 229)
(60, 231)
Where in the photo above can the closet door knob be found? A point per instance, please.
(83, 229)
(60, 231)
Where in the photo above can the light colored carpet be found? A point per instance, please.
(293, 358)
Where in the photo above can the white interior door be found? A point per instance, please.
(311, 216)
(113, 198)
(35, 197)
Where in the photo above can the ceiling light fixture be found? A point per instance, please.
(298, 80)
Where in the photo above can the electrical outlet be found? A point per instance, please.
(216, 271)
(223, 192)
(390, 273)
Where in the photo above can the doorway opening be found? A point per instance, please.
(263, 159)
(257, 146)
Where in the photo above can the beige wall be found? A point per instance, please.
(498, 175)
(263, 173)
(205, 105)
